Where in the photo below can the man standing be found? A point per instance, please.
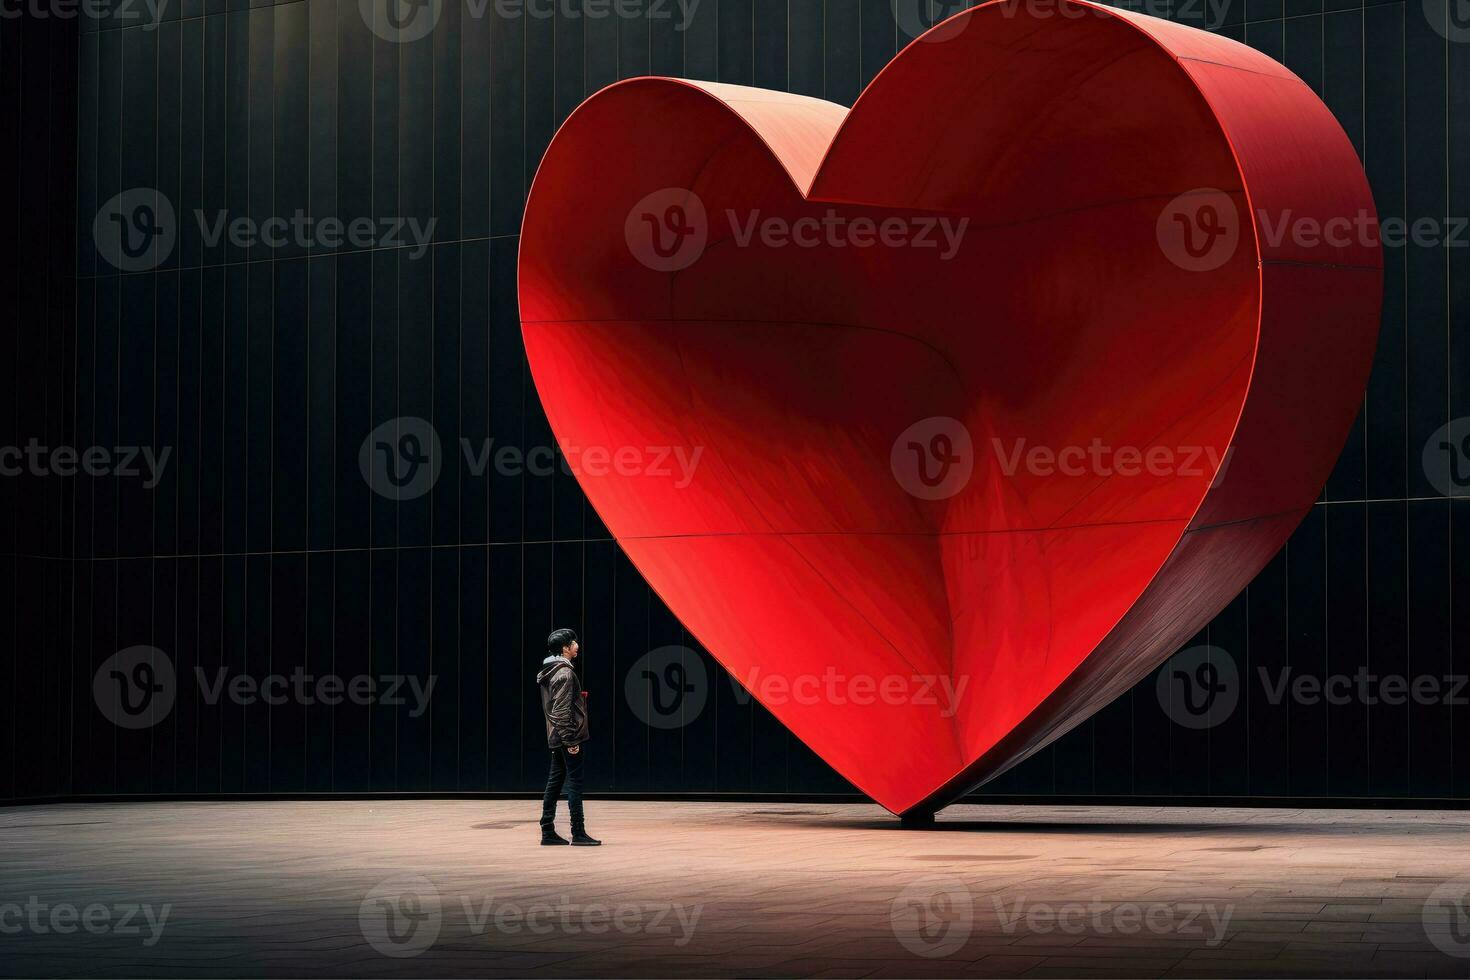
(565, 707)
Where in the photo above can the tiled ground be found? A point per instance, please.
(462, 888)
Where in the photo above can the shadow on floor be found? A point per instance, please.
(1102, 827)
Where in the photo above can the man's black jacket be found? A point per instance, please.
(562, 703)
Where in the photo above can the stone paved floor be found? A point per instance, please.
(694, 889)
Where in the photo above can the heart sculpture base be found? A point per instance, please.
(997, 386)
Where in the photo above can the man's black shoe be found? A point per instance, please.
(580, 839)
(549, 837)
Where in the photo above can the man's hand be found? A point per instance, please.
(574, 749)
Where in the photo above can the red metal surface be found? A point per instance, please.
(922, 646)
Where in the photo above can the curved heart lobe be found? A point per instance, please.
(985, 395)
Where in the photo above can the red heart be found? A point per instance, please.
(869, 538)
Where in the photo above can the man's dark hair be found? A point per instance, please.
(559, 640)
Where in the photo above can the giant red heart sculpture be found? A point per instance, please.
(992, 390)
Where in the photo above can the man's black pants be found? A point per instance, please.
(566, 770)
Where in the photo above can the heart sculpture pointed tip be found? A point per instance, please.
(970, 404)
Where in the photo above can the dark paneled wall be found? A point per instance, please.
(38, 76)
(264, 367)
